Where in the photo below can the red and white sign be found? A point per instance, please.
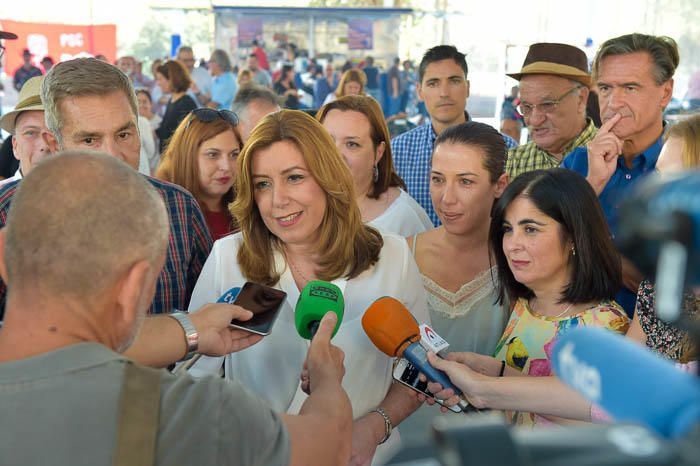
(431, 341)
(60, 41)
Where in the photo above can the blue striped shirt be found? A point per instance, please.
(413, 152)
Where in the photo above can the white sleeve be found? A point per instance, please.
(413, 294)
(206, 291)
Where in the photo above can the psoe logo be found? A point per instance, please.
(74, 39)
(583, 378)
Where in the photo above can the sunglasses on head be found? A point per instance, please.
(207, 115)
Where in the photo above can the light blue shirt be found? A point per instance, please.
(223, 89)
(618, 186)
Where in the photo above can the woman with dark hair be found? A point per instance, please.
(202, 159)
(467, 177)
(174, 79)
(556, 262)
(286, 88)
(356, 124)
(150, 155)
(299, 221)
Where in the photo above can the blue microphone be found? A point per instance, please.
(230, 296)
(627, 380)
(395, 332)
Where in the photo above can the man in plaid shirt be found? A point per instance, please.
(554, 87)
(91, 105)
(444, 88)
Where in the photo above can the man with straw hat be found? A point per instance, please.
(554, 87)
(26, 123)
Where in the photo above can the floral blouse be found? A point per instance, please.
(528, 339)
(664, 338)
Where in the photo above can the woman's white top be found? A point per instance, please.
(272, 368)
(149, 155)
(331, 97)
(404, 217)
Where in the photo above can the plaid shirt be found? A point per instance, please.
(413, 152)
(188, 246)
(529, 157)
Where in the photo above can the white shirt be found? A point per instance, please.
(149, 156)
(404, 217)
(331, 97)
(16, 176)
(271, 368)
(202, 79)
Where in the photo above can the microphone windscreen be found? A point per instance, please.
(627, 380)
(315, 300)
(390, 326)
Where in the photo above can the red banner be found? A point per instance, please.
(60, 41)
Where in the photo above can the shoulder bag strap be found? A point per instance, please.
(139, 408)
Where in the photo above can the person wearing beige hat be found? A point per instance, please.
(554, 87)
(26, 124)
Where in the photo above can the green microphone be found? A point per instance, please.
(316, 299)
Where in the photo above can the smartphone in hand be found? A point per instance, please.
(407, 374)
(264, 302)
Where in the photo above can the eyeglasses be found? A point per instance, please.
(2, 51)
(547, 106)
(207, 115)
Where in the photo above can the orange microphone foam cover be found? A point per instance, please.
(390, 326)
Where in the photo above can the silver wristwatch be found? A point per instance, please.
(191, 335)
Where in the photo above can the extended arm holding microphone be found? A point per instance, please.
(546, 396)
(317, 298)
(321, 433)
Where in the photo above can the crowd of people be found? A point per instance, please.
(501, 247)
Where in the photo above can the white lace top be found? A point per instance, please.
(468, 319)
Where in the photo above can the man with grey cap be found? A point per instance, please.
(26, 123)
(554, 87)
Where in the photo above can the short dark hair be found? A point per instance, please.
(566, 197)
(663, 51)
(145, 92)
(483, 136)
(177, 74)
(439, 53)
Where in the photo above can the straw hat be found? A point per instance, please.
(29, 99)
(562, 60)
